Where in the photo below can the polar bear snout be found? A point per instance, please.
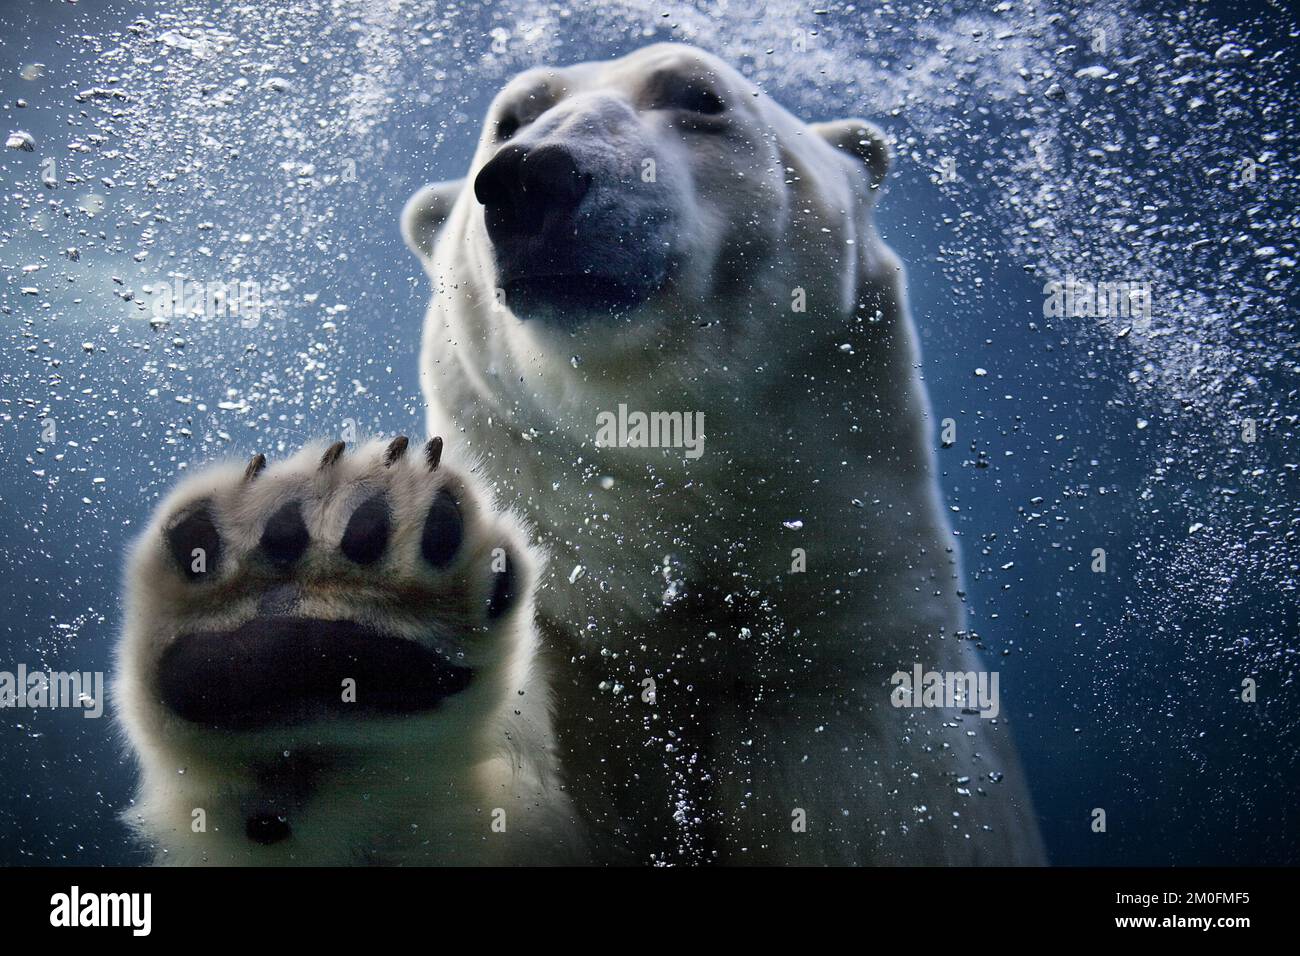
(530, 192)
(574, 230)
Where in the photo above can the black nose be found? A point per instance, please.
(526, 191)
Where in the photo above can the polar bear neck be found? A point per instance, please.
(797, 429)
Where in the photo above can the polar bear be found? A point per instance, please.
(644, 597)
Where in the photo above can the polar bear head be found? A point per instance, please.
(655, 205)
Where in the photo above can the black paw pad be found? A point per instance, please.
(195, 544)
(267, 828)
(503, 590)
(443, 530)
(285, 537)
(366, 535)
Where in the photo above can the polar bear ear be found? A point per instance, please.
(425, 212)
(862, 140)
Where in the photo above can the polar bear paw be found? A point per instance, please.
(292, 622)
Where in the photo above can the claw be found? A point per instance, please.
(255, 466)
(395, 450)
(433, 453)
(332, 454)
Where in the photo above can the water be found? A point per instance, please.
(276, 142)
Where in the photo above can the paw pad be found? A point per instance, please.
(366, 535)
(285, 537)
(267, 829)
(195, 543)
(444, 530)
(354, 508)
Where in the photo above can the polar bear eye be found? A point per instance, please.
(507, 126)
(674, 91)
(699, 99)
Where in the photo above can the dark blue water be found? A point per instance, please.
(1123, 688)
